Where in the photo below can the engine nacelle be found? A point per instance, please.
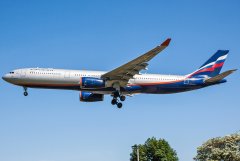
(90, 97)
(89, 82)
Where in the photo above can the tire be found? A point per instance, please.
(114, 101)
(122, 98)
(119, 105)
(25, 94)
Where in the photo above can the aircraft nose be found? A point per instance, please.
(5, 77)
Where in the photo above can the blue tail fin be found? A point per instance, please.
(212, 66)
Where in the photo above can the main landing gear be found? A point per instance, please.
(25, 93)
(116, 94)
(115, 100)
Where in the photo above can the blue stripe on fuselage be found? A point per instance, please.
(175, 87)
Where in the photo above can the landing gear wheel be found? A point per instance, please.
(122, 98)
(25, 94)
(114, 101)
(119, 105)
(116, 94)
(25, 91)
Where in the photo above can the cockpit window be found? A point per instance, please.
(11, 72)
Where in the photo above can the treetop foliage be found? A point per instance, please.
(225, 148)
(154, 150)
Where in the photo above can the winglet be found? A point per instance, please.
(166, 42)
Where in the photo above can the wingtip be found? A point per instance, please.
(166, 42)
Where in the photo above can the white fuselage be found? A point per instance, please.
(44, 77)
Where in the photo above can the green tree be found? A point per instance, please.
(154, 150)
(220, 149)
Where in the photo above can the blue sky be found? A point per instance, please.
(52, 125)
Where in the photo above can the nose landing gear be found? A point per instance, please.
(25, 91)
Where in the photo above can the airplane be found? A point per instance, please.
(126, 80)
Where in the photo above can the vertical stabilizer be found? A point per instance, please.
(212, 66)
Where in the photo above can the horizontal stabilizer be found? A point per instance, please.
(220, 76)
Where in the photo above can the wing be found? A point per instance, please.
(128, 70)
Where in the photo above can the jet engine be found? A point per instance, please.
(90, 97)
(89, 82)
